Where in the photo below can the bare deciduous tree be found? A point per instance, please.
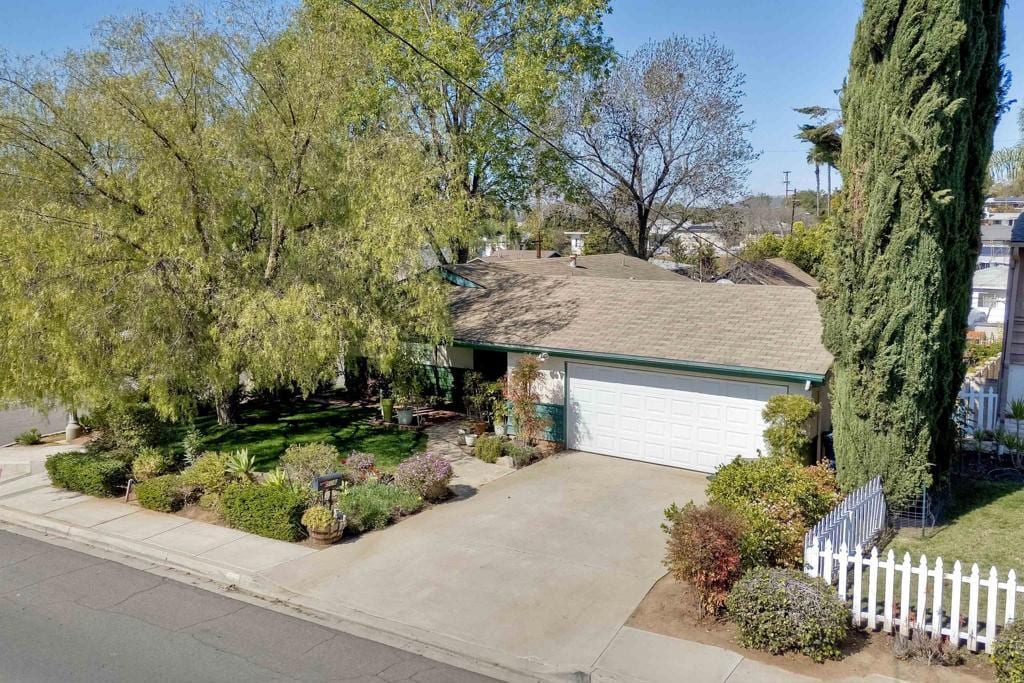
(665, 130)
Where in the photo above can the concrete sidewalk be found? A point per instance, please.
(279, 571)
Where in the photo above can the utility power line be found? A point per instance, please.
(519, 122)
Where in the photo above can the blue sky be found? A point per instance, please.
(793, 52)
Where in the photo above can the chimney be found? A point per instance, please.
(572, 261)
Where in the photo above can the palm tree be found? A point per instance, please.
(826, 144)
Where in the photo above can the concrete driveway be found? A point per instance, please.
(541, 567)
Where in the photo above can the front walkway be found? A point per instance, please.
(470, 473)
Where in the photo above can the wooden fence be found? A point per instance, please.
(905, 597)
(982, 405)
(858, 520)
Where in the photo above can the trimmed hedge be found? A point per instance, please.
(91, 473)
(373, 505)
(163, 494)
(1008, 656)
(782, 610)
(271, 511)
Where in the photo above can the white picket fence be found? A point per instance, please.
(858, 520)
(982, 404)
(904, 597)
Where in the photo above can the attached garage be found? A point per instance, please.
(664, 418)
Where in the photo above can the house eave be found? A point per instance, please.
(815, 379)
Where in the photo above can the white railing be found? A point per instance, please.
(982, 404)
(858, 520)
(904, 597)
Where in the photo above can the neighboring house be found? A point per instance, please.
(653, 368)
(691, 235)
(995, 237)
(501, 255)
(988, 295)
(1011, 375)
(773, 271)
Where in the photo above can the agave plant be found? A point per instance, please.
(241, 464)
(277, 477)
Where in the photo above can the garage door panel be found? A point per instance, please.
(667, 418)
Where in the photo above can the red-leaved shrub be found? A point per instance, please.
(704, 551)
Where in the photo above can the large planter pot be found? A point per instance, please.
(480, 428)
(499, 429)
(470, 439)
(404, 416)
(387, 408)
(330, 535)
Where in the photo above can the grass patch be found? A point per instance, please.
(266, 429)
(983, 527)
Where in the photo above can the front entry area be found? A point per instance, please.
(680, 420)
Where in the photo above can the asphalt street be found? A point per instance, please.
(69, 616)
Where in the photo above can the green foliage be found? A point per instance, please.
(201, 190)
(208, 474)
(521, 455)
(241, 465)
(979, 352)
(808, 248)
(427, 474)
(318, 518)
(129, 425)
(29, 437)
(704, 551)
(917, 137)
(269, 511)
(373, 505)
(192, 444)
(779, 500)
(783, 610)
(488, 448)
(1008, 657)
(302, 462)
(786, 434)
(91, 473)
(210, 501)
(518, 52)
(151, 462)
(163, 494)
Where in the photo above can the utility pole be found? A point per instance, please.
(785, 181)
(538, 235)
(792, 213)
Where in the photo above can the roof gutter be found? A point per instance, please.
(815, 379)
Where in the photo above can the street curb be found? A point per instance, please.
(461, 654)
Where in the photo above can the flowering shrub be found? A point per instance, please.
(704, 551)
(781, 610)
(361, 465)
(374, 505)
(779, 500)
(427, 474)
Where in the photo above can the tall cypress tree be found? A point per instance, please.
(920, 105)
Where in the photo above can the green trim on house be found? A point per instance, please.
(660, 363)
(457, 279)
(553, 412)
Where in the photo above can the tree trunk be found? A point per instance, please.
(817, 189)
(226, 406)
(917, 140)
(828, 197)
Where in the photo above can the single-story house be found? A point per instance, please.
(639, 362)
(772, 271)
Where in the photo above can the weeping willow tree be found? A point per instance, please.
(919, 107)
(191, 201)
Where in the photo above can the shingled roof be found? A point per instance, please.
(609, 266)
(767, 328)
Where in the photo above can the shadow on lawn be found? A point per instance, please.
(266, 429)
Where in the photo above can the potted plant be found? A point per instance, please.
(499, 415)
(323, 526)
(387, 408)
(477, 399)
(408, 384)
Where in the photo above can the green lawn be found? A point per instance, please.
(986, 526)
(267, 429)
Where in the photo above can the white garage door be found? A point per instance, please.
(670, 419)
